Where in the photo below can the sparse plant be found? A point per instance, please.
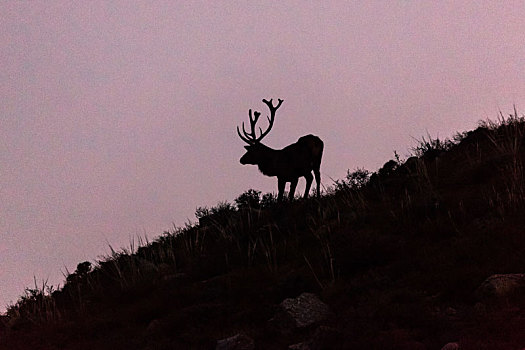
(354, 180)
(36, 306)
(215, 215)
(268, 200)
(161, 250)
(125, 267)
(80, 273)
(459, 136)
(268, 247)
(506, 135)
(321, 285)
(322, 234)
(194, 241)
(388, 168)
(249, 199)
(431, 147)
(202, 212)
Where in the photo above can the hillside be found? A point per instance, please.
(397, 259)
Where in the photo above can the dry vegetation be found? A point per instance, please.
(397, 254)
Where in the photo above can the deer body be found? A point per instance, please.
(288, 164)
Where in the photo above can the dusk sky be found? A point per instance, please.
(117, 118)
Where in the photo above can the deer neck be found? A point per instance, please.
(267, 162)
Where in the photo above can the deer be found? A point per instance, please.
(288, 164)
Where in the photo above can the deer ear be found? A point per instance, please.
(247, 148)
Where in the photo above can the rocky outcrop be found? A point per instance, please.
(298, 313)
(501, 286)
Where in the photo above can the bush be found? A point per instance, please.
(431, 148)
(249, 199)
(267, 200)
(353, 180)
(215, 214)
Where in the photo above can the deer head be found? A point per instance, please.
(255, 148)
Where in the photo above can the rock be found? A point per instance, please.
(498, 286)
(305, 310)
(239, 341)
(451, 346)
(323, 338)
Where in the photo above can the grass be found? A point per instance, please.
(397, 254)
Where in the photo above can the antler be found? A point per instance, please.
(251, 137)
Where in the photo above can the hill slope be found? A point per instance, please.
(398, 257)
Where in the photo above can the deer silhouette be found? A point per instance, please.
(288, 164)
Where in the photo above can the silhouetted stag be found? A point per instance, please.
(288, 164)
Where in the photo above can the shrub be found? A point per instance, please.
(431, 148)
(249, 199)
(353, 180)
(217, 214)
(268, 199)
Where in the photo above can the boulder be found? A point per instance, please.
(501, 286)
(239, 341)
(304, 311)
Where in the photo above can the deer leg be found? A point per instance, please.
(309, 178)
(280, 186)
(318, 181)
(293, 185)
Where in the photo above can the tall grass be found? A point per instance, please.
(506, 134)
(37, 306)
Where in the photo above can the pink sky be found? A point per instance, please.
(118, 118)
